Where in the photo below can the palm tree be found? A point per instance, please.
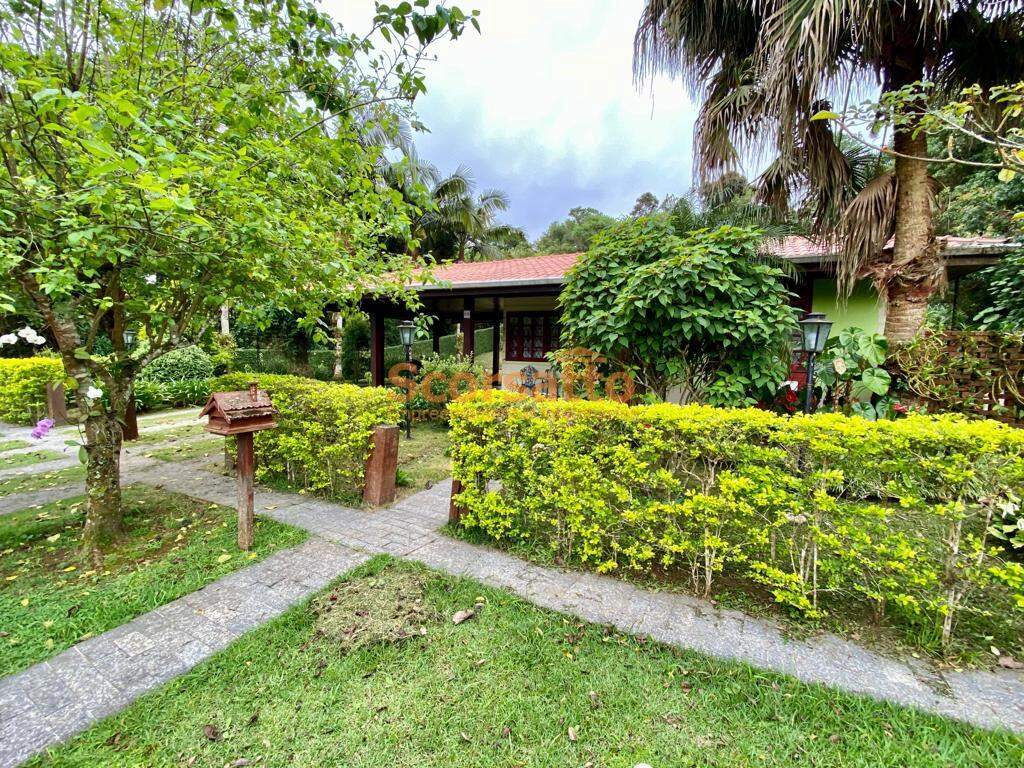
(453, 222)
(764, 68)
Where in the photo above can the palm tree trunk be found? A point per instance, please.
(916, 270)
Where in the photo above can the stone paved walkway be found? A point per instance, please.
(51, 701)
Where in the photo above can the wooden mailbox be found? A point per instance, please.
(241, 414)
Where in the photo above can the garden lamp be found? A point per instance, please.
(407, 330)
(129, 338)
(814, 329)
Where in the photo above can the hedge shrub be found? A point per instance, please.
(23, 383)
(822, 510)
(183, 364)
(323, 436)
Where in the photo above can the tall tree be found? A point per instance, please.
(162, 158)
(765, 69)
(453, 223)
(575, 233)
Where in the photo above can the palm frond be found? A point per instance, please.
(864, 227)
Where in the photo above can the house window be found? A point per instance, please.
(529, 336)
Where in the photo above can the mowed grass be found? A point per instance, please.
(10, 445)
(52, 596)
(422, 461)
(12, 460)
(513, 686)
(38, 481)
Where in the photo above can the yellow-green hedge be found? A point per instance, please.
(323, 436)
(821, 510)
(23, 383)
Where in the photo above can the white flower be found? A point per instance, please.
(26, 333)
(37, 340)
(8, 338)
(94, 393)
(794, 385)
(150, 279)
(840, 365)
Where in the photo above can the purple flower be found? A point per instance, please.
(42, 428)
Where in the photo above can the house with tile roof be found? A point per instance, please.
(518, 298)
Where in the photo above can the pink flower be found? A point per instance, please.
(42, 428)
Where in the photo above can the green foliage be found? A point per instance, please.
(851, 372)
(23, 383)
(323, 435)
(184, 363)
(824, 511)
(221, 350)
(574, 234)
(441, 379)
(355, 348)
(701, 311)
(1006, 294)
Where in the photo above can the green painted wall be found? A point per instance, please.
(862, 309)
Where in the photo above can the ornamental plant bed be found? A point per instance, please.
(831, 515)
(514, 686)
(53, 596)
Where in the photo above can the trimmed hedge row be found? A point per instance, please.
(822, 510)
(324, 430)
(23, 383)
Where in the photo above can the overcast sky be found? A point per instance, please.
(542, 105)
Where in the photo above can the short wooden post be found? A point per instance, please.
(454, 510)
(381, 466)
(246, 471)
(56, 404)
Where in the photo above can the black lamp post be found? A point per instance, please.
(814, 329)
(407, 330)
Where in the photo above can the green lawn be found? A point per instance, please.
(10, 445)
(39, 481)
(51, 596)
(422, 460)
(13, 460)
(513, 686)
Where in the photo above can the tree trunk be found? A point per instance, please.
(339, 333)
(225, 319)
(917, 269)
(103, 515)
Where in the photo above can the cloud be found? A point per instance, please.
(542, 104)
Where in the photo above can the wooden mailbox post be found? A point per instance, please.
(241, 414)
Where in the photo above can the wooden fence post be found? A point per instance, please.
(381, 466)
(246, 471)
(454, 510)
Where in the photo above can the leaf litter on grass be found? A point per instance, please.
(385, 608)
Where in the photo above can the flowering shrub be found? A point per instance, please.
(23, 383)
(822, 510)
(323, 435)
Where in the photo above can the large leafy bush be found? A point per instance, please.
(23, 387)
(823, 511)
(700, 312)
(323, 435)
(184, 364)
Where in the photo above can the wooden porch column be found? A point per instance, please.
(377, 348)
(496, 337)
(435, 334)
(468, 327)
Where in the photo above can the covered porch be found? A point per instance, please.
(517, 298)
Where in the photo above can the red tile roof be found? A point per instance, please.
(548, 267)
(552, 267)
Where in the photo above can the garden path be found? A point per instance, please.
(51, 701)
